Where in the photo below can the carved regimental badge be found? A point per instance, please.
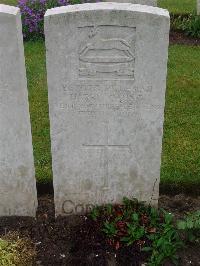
(107, 52)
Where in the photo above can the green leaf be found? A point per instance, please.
(160, 241)
(168, 218)
(109, 229)
(191, 237)
(190, 224)
(147, 249)
(109, 208)
(95, 213)
(181, 225)
(135, 217)
(125, 239)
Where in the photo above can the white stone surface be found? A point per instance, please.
(140, 2)
(17, 178)
(198, 7)
(107, 65)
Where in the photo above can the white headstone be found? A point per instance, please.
(17, 179)
(140, 2)
(107, 65)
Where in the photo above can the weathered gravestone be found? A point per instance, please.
(140, 2)
(107, 65)
(17, 181)
(198, 7)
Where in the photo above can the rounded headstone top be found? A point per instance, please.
(107, 6)
(11, 10)
(140, 2)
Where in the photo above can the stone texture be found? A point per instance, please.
(17, 178)
(107, 65)
(198, 7)
(140, 2)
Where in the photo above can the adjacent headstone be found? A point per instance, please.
(198, 7)
(140, 2)
(17, 179)
(107, 65)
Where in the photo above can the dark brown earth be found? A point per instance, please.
(181, 38)
(75, 241)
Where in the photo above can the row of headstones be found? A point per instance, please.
(106, 69)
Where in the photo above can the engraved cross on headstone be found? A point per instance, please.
(105, 147)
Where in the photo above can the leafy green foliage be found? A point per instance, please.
(110, 229)
(189, 24)
(134, 223)
(192, 26)
(191, 226)
(165, 243)
(134, 232)
(94, 214)
(16, 251)
(164, 246)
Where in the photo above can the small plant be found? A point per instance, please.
(189, 24)
(135, 224)
(165, 243)
(134, 232)
(109, 229)
(94, 214)
(190, 226)
(16, 251)
(192, 26)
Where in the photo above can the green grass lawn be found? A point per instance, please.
(36, 74)
(181, 148)
(178, 6)
(9, 2)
